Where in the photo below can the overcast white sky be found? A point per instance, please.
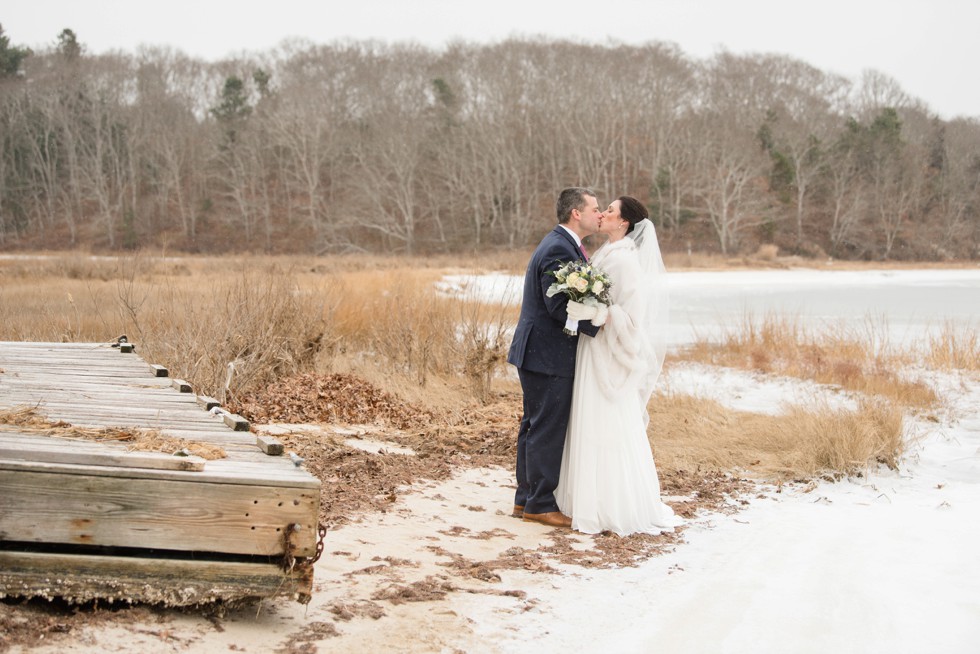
(930, 47)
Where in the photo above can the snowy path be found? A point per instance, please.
(885, 564)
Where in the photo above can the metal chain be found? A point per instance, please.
(322, 532)
(288, 560)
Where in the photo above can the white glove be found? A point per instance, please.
(579, 311)
(602, 312)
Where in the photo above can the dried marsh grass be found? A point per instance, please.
(233, 325)
(689, 433)
(837, 440)
(248, 328)
(397, 320)
(767, 252)
(26, 417)
(401, 320)
(954, 349)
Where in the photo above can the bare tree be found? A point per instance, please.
(846, 199)
(806, 106)
(957, 189)
(727, 176)
(390, 154)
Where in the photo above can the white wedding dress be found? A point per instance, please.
(608, 477)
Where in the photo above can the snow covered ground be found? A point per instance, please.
(884, 563)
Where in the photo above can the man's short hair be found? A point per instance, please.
(571, 198)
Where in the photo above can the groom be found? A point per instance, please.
(545, 360)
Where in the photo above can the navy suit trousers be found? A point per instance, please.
(541, 439)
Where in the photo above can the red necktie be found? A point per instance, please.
(585, 257)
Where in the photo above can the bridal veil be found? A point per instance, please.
(657, 302)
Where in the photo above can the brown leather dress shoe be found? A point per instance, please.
(552, 519)
(518, 511)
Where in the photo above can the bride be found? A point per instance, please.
(608, 478)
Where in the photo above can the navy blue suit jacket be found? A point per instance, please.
(539, 343)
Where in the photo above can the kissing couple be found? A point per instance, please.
(583, 457)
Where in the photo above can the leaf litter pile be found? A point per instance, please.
(355, 481)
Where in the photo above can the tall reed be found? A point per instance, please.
(243, 331)
(954, 348)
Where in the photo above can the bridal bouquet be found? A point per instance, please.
(581, 282)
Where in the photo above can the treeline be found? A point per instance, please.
(365, 146)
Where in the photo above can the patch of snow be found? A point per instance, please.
(377, 447)
(753, 392)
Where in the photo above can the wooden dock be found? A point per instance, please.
(91, 519)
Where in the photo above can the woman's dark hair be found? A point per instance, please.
(632, 210)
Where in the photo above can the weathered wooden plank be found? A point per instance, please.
(124, 397)
(116, 395)
(236, 445)
(207, 402)
(48, 507)
(117, 416)
(89, 375)
(238, 441)
(235, 473)
(15, 351)
(43, 355)
(235, 421)
(163, 411)
(174, 582)
(180, 413)
(12, 436)
(94, 382)
(243, 448)
(91, 372)
(176, 414)
(61, 345)
(148, 422)
(152, 417)
(269, 445)
(72, 366)
(109, 353)
(13, 439)
(50, 354)
(151, 460)
(39, 375)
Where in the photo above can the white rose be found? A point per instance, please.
(581, 285)
(598, 286)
